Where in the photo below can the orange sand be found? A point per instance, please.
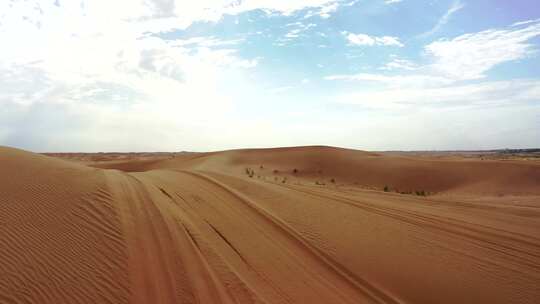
(196, 228)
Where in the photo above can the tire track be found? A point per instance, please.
(519, 251)
(242, 285)
(146, 265)
(345, 276)
(166, 266)
(519, 237)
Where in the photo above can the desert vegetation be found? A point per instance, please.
(249, 172)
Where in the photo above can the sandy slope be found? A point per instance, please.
(196, 229)
(61, 240)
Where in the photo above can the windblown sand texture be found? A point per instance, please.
(244, 226)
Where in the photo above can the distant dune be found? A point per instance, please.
(353, 167)
(286, 225)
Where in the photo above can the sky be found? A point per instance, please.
(171, 75)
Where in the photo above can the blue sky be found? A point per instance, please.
(164, 75)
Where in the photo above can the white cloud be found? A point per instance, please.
(95, 62)
(526, 22)
(283, 7)
(360, 39)
(180, 13)
(328, 9)
(206, 42)
(466, 57)
(470, 56)
(446, 80)
(367, 40)
(454, 8)
(296, 32)
(392, 1)
(325, 10)
(399, 64)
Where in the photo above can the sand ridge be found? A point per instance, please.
(197, 228)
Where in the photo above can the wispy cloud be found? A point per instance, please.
(210, 41)
(299, 28)
(295, 30)
(392, 1)
(470, 56)
(399, 64)
(519, 23)
(454, 8)
(367, 40)
(447, 79)
(324, 11)
(466, 57)
(322, 8)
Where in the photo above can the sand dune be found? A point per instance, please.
(244, 226)
(61, 237)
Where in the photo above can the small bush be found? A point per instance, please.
(250, 172)
(294, 171)
(333, 181)
(386, 189)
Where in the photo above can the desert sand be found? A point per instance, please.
(287, 225)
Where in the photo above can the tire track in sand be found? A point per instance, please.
(321, 271)
(517, 249)
(165, 266)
